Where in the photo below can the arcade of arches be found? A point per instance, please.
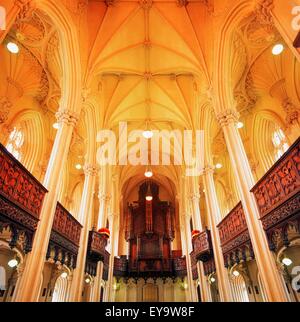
(74, 229)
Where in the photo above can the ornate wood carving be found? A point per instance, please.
(21, 198)
(149, 231)
(234, 236)
(179, 265)
(202, 246)
(96, 246)
(120, 266)
(278, 196)
(64, 238)
(18, 185)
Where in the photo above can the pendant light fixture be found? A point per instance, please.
(149, 196)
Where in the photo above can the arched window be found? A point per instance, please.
(280, 143)
(15, 143)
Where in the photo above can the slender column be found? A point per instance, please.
(195, 198)
(272, 282)
(103, 205)
(29, 286)
(214, 214)
(97, 283)
(68, 288)
(186, 240)
(205, 293)
(86, 220)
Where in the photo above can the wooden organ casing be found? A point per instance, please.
(149, 232)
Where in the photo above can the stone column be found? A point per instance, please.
(270, 277)
(195, 199)
(85, 217)
(97, 283)
(186, 239)
(29, 285)
(214, 216)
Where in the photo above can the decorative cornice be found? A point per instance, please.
(67, 117)
(227, 117)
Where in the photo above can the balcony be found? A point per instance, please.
(64, 238)
(96, 246)
(202, 246)
(21, 199)
(234, 236)
(277, 196)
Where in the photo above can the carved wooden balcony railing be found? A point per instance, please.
(64, 238)
(91, 265)
(21, 199)
(169, 267)
(96, 246)
(202, 246)
(234, 236)
(277, 196)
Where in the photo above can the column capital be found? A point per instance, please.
(209, 169)
(90, 170)
(194, 196)
(263, 10)
(67, 117)
(104, 197)
(227, 117)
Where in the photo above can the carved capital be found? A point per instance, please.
(292, 113)
(90, 170)
(146, 4)
(263, 10)
(5, 106)
(227, 117)
(209, 169)
(67, 117)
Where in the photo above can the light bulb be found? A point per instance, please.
(148, 134)
(236, 273)
(56, 126)
(87, 280)
(240, 125)
(78, 166)
(13, 263)
(277, 49)
(219, 165)
(148, 174)
(212, 279)
(64, 275)
(287, 261)
(12, 47)
(149, 198)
